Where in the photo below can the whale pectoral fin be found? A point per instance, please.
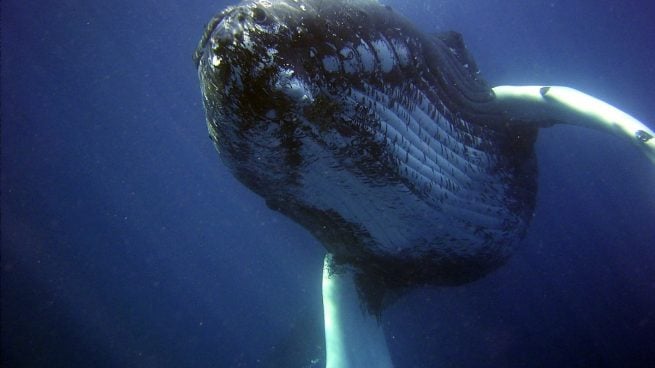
(547, 105)
(354, 338)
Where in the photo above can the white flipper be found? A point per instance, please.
(569, 106)
(353, 337)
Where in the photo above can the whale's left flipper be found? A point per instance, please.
(353, 337)
(556, 104)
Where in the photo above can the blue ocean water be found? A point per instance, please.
(126, 243)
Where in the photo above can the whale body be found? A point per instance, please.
(385, 143)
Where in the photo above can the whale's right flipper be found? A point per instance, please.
(555, 104)
(353, 336)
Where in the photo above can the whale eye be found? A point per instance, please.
(258, 15)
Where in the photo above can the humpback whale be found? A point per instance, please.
(385, 143)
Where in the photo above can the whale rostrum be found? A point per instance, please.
(385, 143)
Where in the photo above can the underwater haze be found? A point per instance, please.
(127, 243)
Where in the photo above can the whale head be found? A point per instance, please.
(266, 68)
(368, 133)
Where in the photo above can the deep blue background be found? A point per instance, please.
(126, 243)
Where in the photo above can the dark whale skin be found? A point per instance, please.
(372, 135)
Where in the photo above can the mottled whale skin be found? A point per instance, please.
(375, 137)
